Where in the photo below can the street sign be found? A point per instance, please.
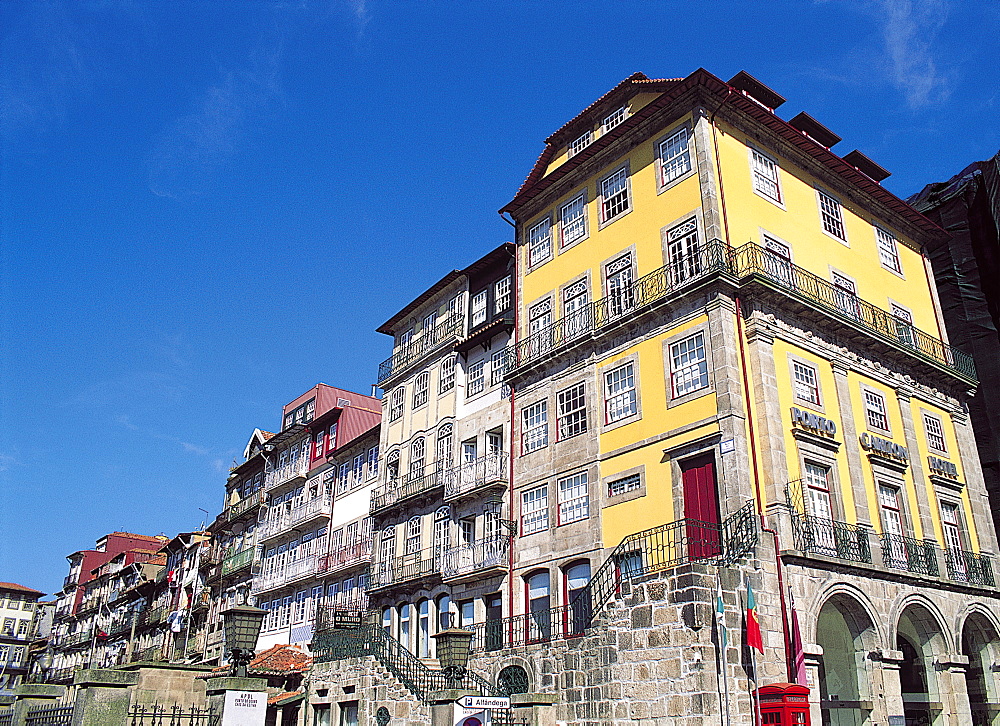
(479, 703)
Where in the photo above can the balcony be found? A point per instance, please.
(235, 511)
(88, 605)
(474, 476)
(238, 561)
(156, 615)
(290, 472)
(969, 567)
(152, 653)
(282, 521)
(70, 581)
(78, 639)
(742, 264)
(299, 569)
(821, 536)
(121, 625)
(398, 490)
(401, 569)
(417, 348)
(347, 556)
(475, 560)
(62, 676)
(907, 553)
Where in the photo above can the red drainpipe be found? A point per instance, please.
(510, 451)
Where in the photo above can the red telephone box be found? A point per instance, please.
(783, 704)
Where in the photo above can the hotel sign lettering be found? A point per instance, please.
(813, 422)
(878, 445)
(943, 467)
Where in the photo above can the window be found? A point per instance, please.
(615, 198)
(442, 533)
(420, 389)
(444, 613)
(831, 215)
(469, 451)
(412, 543)
(613, 119)
(417, 453)
(445, 447)
(765, 176)
(618, 274)
(535, 510)
(331, 438)
(477, 378)
(539, 317)
(396, 404)
(688, 365)
(539, 607)
(806, 384)
(318, 444)
(498, 366)
(479, 308)
(359, 470)
(404, 338)
(467, 613)
(447, 380)
(574, 498)
(501, 295)
(577, 577)
(619, 393)
(572, 418)
(892, 525)
(392, 466)
(572, 221)
(580, 143)
(675, 157)
(424, 629)
(683, 253)
(846, 294)
(818, 505)
(623, 486)
(952, 529)
(904, 324)
(349, 714)
(540, 242)
(536, 427)
(321, 715)
(875, 413)
(494, 442)
(430, 321)
(575, 317)
(373, 462)
(455, 306)
(888, 250)
(935, 433)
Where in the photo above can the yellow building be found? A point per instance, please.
(721, 318)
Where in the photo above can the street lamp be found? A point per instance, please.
(453, 646)
(44, 662)
(241, 626)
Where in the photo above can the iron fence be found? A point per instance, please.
(907, 553)
(49, 716)
(175, 715)
(396, 490)
(969, 567)
(823, 536)
(7, 717)
(418, 347)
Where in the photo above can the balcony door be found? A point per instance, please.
(619, 277)
(892, 525)
(701, 507)
(820, 508)
(575, 299)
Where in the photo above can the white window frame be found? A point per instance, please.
(571, 407)
(573, 229)
(574, 498)
(613, 119)
(535, 510)
(620, 397)
(800, 373)
(421, 386)
(624, 485)
(621, 180)
(373, 462)
(674, 154)
(766, 176)
(931, 422)
(580, 143)
(831, 215)
(888, 250)
(479, 307)
(535, 427)
(498, 366)
(476, 380)
(540, 242)
(501, 295)
(688, 374)
(447, 380)
(876, 410)
(396, 404)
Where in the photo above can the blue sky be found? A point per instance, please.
(207, 207)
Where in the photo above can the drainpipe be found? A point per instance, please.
(510, 452)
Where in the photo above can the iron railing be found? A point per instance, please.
(49, 716)
(61, 675)
(752, 259)
(288, 572)
(907, 553)
(476, 556)
(622, 304)
(242, 507)
(7, 717)
(175, 715)
(405, 567)
(969, 567)
(75, 640)
(473, 475)
(296, 469)
(239, 560)
(818, 535)
(420, 346)
(151, 653)
(396, 490)
(354, 553)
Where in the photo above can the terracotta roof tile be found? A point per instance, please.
(277, 660)
(276, 700)
(18, 588)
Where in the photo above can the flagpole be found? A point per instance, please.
(723, 648)
(755, 694)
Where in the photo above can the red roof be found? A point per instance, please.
(19, 588)
(278, 660)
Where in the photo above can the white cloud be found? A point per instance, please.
(909, 30)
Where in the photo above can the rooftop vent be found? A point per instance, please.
(756, 90)
(866, 166)
(814, 130)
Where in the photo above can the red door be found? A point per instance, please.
(701, 507)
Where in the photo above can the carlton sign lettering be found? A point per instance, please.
(878, 445)
(812, 422)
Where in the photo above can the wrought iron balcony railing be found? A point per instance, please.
(239, 560)
(396, 490)
(289, 572)
(291, 471)
(76, 640)
(62, 675)
(235, 511)
(349, 555)
(152, 653)
(748, 261)
(818, 535)
(969, 567)
(70, 581)
(474, 475)
(411, 566)
(156, 615)
(475, 557)
(907, 553)
(420, 346)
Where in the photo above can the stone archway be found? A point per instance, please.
(919, 638)
(980, 643)
(846, 633)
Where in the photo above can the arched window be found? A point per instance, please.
(512, 679)
(445, 447)
(442, 534)
(424, 629)
(404, 625)
(417, 454)
(387, 620)
(576, 577)
(444, 612)
(420, 387)
(386, 557)
(392, 465)
(539, 606)
(413, 535)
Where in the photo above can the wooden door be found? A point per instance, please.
(701, 507)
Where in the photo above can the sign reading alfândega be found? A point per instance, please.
(244, 708)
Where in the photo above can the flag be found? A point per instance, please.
(754, 639)
(720, 616)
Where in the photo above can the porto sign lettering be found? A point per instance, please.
(940, 466)
(812, 422)
(878, 445)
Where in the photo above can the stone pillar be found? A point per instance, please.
(102, 696)
(814, 659)
(855, 462)
(442, 704)
(535, 708)
(28, 696)
(954, 691)
(219, 687)
(972, 469)
(892, 690)
(924, 506)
